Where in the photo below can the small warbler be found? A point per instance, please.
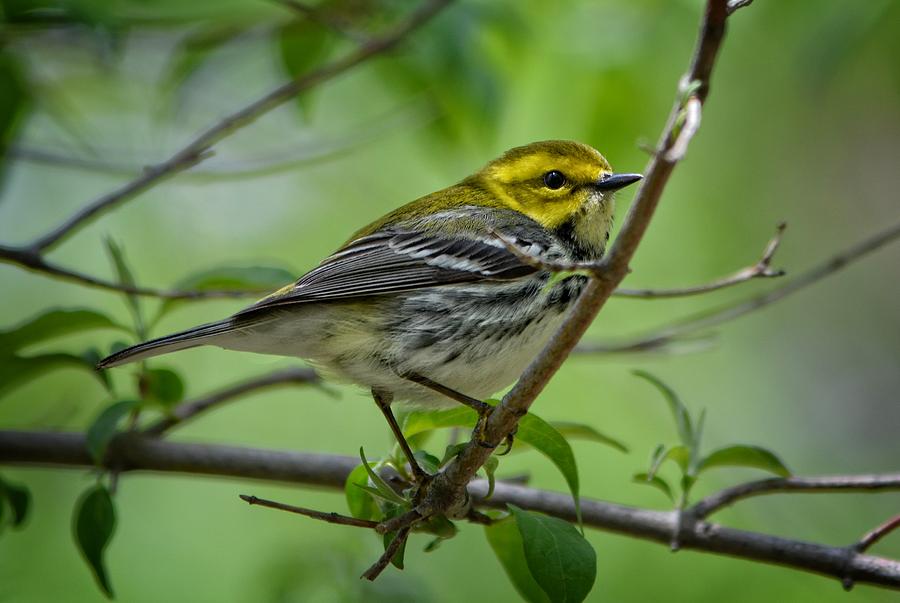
(427, 304)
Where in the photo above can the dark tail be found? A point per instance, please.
(191, 338)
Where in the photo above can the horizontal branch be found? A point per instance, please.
(834, 483)
(132, 452)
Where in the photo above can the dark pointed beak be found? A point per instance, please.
(613, 182)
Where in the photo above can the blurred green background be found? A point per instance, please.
(803, 125)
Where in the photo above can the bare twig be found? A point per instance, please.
(877, 533)
(189, 410)
(389, 552)
(344, 520)
(661, 337)
(34, 261)
(836, 483)
(449, 486)
(761, 269)
(199, 148)
(134, 452)
(735, 5)
(692, 114)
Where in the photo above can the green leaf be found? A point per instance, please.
(231, 278)
(14, 101)
(197, 47)
(654, 481)
(745, 456)
(428, 462)
(126, 277)
(163, 386)
(360, 504)
(16, 371)
(490, 466)
(94, 525)
(419, 421)
(303, 45)
(19, 499)
(540, 435)
(533, 431)
(453, 450)
(679, 410)
(506, 542)
(571, 431)
(381, 486)
(678, 454)
(52, 323)
(562, 562)
(104, 427)
(397, 559)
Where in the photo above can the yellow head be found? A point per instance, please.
(561, 184)
(565, 186)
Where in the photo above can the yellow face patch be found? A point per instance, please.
(518, 178)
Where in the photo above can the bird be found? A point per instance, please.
(436, 303)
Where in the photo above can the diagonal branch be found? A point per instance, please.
(877, 533)
(449, 486)
(199, 148)
(134, 452)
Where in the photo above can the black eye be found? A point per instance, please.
(554, 179)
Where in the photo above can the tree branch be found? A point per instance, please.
(708, 319)
(877, 533)
(761, 269)
(199, 148)
(135, 452)
(189, 410)
(449, 486)
(836, 483)
(343, 520)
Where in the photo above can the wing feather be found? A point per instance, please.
(397, 260)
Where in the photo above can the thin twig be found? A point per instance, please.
(833, 483)
(34, 261)
(385, 559)
(876, 534)
(761, 269)
(449, 486)
(199, 148)
(189, 410)
(659, 338)
(133, 452)
(692, 114)
(735, 5)
(344, 520)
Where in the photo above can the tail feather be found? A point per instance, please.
(178, 341)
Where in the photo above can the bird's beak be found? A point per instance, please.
(613, 182)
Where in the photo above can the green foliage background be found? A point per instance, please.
(802, 125)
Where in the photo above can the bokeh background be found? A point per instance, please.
(803, 125)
